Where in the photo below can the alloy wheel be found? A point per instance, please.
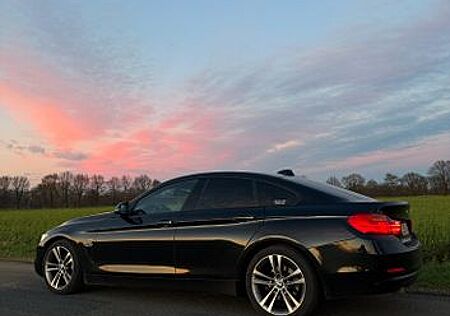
(59, 267)
(278, 284)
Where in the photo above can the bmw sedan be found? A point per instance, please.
(284, 241)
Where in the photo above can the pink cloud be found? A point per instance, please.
(63, 107)
(58, 126)
(67, 114)
(183, 142)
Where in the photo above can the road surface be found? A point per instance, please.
(23, 293)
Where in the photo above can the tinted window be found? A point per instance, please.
(332, 191)
(272, 195)
(167, 199)
(227, 193)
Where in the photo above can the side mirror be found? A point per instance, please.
(122, 208)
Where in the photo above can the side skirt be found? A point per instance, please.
(227, 287)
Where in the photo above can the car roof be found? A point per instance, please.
(320, 191)
(230, 174)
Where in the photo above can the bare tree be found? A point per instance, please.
(373, 188)
(391, 181)
(97, 185)
(5, 184)
(65, 184)
(415, 183)
(371, 184)
(49, 186)
(65, 188)
(142, 183)
(125, 183)
(20, 185)
(114, 187)
(155, 183)
(334, 181)
(440, 175)
(80, 184)
(354, 182)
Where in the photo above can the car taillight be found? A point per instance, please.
(376, 224)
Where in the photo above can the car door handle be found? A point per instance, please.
(164, 223)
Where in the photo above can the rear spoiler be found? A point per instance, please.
(395, 210)
(398, 210)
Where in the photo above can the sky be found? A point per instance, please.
(174, 87)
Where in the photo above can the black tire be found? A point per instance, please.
(75, 283)
(311, 290)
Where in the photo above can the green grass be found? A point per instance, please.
(434, 276)
(21, 229)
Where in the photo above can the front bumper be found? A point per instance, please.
(38, 266)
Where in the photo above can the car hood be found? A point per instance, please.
(89, 219)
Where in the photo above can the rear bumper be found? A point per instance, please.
(367, 283)
(375, 274)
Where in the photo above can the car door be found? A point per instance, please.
(211, 235)
(142, 241)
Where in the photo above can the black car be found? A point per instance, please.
(284, 240)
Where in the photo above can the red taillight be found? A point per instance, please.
(376, 224)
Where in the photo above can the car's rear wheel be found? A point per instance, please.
(279, 281)
(62, 271)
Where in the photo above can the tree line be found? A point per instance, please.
(66, 189)
(436, 181)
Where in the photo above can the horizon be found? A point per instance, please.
(167, 89)
(381, 180)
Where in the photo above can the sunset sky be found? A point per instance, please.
(174, 87)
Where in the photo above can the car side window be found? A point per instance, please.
(227, 193)
(167, 199)
(273, 195)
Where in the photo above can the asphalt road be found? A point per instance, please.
(23, 293)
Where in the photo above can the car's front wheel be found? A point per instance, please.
(279, 281)
(62, 271)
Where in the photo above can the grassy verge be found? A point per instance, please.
(21, 229)
(434, 276)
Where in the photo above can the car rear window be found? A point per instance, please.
(335, 193)
(273, 195)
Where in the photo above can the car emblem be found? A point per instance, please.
(279, 202)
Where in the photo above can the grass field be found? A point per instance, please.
(21, 229)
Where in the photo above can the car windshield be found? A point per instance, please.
(340, 193)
